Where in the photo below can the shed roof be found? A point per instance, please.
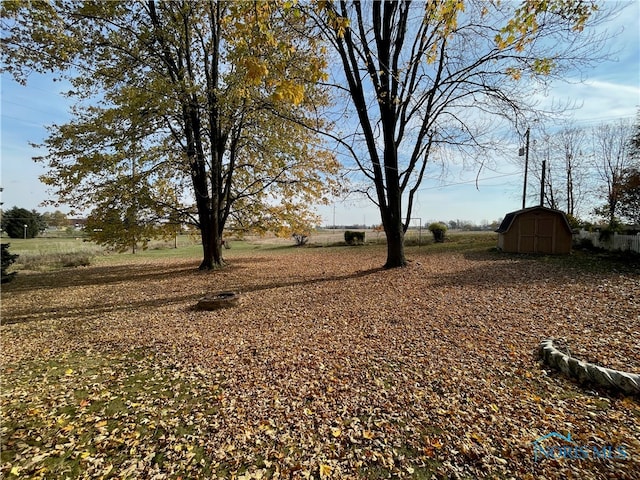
(511, 216)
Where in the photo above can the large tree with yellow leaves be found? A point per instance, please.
(178, 97)
(420, 75)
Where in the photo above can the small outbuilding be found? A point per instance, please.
(535, 230)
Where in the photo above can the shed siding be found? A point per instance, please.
(537, 231)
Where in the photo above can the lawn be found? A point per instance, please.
(329, 367)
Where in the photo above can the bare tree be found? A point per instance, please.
(612, 159)
(566, 179)
(573, 144)
(424, 77)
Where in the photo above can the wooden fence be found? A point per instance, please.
(615, 242)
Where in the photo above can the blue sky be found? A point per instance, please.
(610, 91)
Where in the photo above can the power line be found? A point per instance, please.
(466, 182)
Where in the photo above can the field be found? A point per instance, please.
(329, 367)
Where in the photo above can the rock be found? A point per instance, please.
(215, 301)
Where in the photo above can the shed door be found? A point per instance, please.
(536, 234)
(545, 234)
(527, 234)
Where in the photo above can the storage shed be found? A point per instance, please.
(535, 230)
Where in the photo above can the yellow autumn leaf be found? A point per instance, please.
(325, 470)
(68, 371)
(15, 471)
(514, 73)
(84, 455)
(290, 92)
(368, 434)
(256, 70)
(336, 432)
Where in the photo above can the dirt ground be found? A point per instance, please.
(331, 367)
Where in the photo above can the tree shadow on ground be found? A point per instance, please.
(113, 274)
(495, 269)
(194, 284)
(96, 275)
(312, 280)
(94, 310)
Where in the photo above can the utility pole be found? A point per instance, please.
(544, 172)
(526, 168)
(334, 216)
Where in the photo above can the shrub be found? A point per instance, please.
(7, 260)
(300, 238)
(77, 259)
(354, 238)
(585, 244)
(607, 233)
(574, 222)
(438, 230)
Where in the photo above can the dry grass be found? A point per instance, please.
(330, 367)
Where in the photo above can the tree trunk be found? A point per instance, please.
(208, 260)
(395, 246)
(211, 236)
(393, 224)
(394, 231)
(211, 250)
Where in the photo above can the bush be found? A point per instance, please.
(354, 238)
(300, 238)
(7, 260)
(607, 233)
(438, 230)
(79, 259)
(585, 244)
(574, 222)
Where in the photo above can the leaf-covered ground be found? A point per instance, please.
(330, 367)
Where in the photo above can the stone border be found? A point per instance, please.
(215, 301)
(587, 372)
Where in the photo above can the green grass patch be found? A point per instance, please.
(94, 415)
(463, 241)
